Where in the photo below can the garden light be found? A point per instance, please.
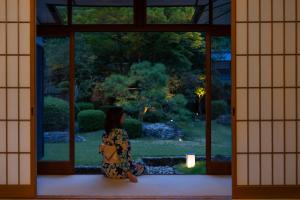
(190, 160)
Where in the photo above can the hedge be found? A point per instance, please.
(90, 120)
(133, 128)
(56, 114)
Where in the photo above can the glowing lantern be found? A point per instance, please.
(190, 160)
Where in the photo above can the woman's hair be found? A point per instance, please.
(113, 118)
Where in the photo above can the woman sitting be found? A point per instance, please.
(116, 149)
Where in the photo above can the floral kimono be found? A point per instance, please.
(120, 139)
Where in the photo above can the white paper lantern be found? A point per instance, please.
(190, 160)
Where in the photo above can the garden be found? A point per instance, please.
(159, 80)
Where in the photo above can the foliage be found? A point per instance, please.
(85, 106)
(200, 168)
(172, 15)
(155, 116)
(133, 128)
(104, 15)
(177, 110)
(56, 114)
(90, 120)
(219, 107)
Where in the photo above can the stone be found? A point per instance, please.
(61, 137)
(162, 131)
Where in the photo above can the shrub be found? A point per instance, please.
(154, 116)
(105, 108)
(219, 107)
(90, 120)
(56, 114)
(133, 128)
(85, 106)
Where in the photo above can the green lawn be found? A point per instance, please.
(86, 153)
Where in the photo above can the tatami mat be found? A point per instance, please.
(147, 186)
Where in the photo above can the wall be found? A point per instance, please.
(266, 69)
(17, 160)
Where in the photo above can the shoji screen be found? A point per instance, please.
(266, 63)
(16, 69)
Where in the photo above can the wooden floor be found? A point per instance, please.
(190, 187)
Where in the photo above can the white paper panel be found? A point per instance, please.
(241, 104)
(278, 136)
(12, 104)
(278, 71)
(2, 104)
(266, 169)
(12, 169)
(290, 10)
(12, 136)
(265, 7)
(290, 169)
(253, 71)
(298, 168)
(2, 71)
(2, 38)
(266, 104)
(12, 71)
(25, 169)
(266, 136)
(278, 9)
(290, 38)
(253, 10)
(12, 10)
(253, 103)
(12, 38)
(254, 169)
(2, 136)
(290, 136)
(298, 36)
(298, 70)
(298, 103)
(278, 38)
(278, 103)
(2, 10)
(241, 10)
(24, 71)
(253, 136)
(278, 169)
(254, 38)
(298, 136)
(24, 10)
(266, 72)
(2, 168)
(266, 38)
(298, 11)
(290, 103)
(24, 136)
(242, 169)
(241, 71)
(290, 71)
(24, 42)
(241, 40)
(241, 130)
(25, 104)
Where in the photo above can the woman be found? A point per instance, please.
(116, 138)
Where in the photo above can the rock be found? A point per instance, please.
(159, 170)
(162, 131)
(224, 119)
(61, 137)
